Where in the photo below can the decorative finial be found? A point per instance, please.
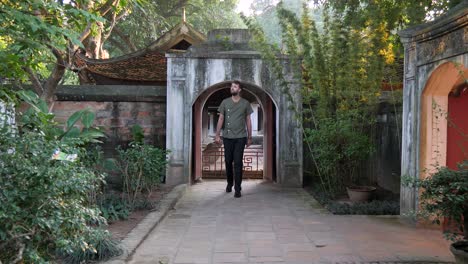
(183, 14)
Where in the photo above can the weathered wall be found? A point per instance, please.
(117, 109)
(387, 158)
(426, 47)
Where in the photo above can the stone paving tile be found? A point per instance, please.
(265, 259)
(230, 247)
(299, 256)
(265, 251)
(229, 257)
(270, 224)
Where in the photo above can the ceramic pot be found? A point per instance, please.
(360, 193)
(458, 250)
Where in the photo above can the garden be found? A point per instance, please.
(55, 201)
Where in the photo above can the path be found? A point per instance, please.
(269, 224)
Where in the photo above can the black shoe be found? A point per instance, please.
(229, 188)
(237, 194)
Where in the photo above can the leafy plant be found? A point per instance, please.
(45, 199)
(142, 168)
(104, 247)
(340, 149)
(445, 195)
(114, 208)
(38, 117)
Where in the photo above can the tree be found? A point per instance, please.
(143, 26)
(39, 38)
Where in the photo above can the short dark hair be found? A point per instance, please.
(238, 83)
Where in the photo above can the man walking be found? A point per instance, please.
(234, 118)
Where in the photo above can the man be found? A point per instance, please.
(234, 118)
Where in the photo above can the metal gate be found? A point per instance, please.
(213, 165)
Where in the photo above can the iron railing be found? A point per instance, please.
(213, 165)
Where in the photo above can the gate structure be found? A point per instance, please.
(436, 66)
(207, 67)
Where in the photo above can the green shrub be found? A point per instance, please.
(375, 207)
(340, 147)
(44, 201)
(45, 183)
(114, 208)
(103, 248)
(142, 167)
(444, 194)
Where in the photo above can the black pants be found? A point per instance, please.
(234, 152)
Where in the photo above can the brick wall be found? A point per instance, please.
(117, 119)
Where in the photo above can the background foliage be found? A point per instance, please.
(345, 56)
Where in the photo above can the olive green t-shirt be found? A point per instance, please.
(235, 115)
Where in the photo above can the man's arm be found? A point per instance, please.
(248, 122)
(218, 128)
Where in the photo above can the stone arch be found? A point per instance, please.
(434, 108)
(269, 107)
(247, 86)
(214, 62)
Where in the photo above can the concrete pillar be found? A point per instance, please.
(254, 118)
(212, 124)
(175, 121)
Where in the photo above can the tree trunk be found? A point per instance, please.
(93, 43)
(52, 83)
(50, 86)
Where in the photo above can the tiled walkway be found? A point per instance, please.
(270, 224)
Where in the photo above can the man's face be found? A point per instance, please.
(235, 89)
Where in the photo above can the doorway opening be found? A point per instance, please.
(259, 158)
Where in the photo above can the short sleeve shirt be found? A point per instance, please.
(235, 115)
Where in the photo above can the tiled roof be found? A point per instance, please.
(147, 65)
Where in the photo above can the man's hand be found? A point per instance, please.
(218, 139)
(249, 142)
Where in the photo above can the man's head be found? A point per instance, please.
(236, 88)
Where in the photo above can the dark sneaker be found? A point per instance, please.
(237, 194)
(228, 188)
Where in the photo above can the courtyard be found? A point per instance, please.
(272, 224)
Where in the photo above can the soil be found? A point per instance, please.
(120, 229)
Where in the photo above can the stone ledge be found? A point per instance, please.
(131, 242)
(111, 93)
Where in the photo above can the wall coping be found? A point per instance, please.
(111, 93)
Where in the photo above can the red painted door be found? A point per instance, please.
(457, 129)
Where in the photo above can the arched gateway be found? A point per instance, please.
(193, 76)
(434, 99)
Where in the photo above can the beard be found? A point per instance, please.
(234, 93)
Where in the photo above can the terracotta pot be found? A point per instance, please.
(360, 193)
(458, 250)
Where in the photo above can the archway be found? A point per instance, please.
(439, 139)
(208, 158)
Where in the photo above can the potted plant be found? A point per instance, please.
(445, 196)
(360, 193)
